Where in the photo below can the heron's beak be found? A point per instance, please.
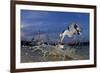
(79, 33)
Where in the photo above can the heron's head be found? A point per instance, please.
(78, 29)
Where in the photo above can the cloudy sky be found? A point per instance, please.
(49, 24)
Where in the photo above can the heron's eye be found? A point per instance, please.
(78, 29)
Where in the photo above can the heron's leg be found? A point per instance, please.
(62, 38)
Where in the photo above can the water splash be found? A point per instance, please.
(44, 53)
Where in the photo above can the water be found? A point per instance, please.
(45, 53)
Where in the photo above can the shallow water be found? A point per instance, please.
(45, 53)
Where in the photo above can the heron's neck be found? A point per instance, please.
(69, 34)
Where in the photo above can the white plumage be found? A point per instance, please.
(72, 30)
